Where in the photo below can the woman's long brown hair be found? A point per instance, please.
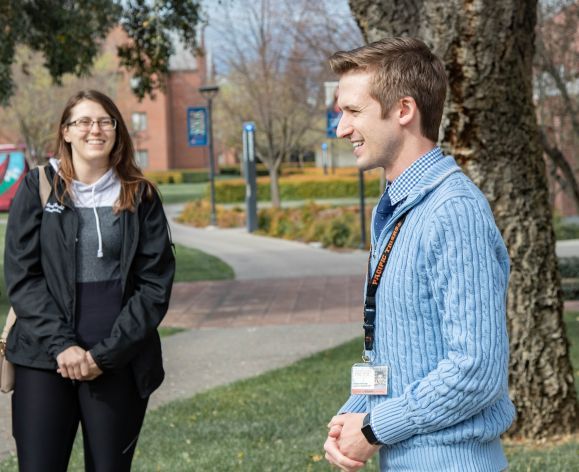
(121, 158)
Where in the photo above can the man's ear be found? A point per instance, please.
(407, 110)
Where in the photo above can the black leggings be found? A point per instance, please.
(46, 411)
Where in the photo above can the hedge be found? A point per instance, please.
(260, 170)
(566, 230)
(297, 188)
(177, 176)
(569, 267)
(569, 270)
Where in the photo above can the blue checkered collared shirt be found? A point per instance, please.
(398, 190)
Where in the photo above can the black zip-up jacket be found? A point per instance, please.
(40, 268)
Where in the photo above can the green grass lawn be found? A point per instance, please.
(194, 265)
(180, 193)
(185, 192)
(274, 422)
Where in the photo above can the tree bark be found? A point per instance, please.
(274, 186)
(490, 127)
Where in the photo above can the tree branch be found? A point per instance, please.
(561, 163)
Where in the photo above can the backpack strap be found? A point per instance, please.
(10, 320)
(44, 188)
(43, 185)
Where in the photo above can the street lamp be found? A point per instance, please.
(208, 92)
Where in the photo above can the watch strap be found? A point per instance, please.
(368, 432)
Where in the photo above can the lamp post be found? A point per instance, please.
(208, 92)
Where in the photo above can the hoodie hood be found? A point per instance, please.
(105, 190)
(102, 193)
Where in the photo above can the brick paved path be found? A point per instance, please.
(238, 303)
(227, 304)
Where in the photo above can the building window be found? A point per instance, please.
(142, 158)
(139, 121)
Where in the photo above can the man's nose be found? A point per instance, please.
(344, 127)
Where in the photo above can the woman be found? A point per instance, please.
(89, 277)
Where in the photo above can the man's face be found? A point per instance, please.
(376, 140)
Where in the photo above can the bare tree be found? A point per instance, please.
(556, 89)
(274, 72)
(491, 128)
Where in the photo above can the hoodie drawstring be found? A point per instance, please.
(98, 224)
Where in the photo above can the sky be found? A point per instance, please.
(216, 25)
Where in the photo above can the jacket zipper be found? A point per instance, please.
(75, 243)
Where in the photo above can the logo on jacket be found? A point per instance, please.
(53, 208)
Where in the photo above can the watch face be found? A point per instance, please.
(366, 420)
(368, 432)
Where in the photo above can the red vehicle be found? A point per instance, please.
(13, 168)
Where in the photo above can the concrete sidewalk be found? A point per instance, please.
(259, 257)
(200, 359)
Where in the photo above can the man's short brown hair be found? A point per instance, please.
(401, 67)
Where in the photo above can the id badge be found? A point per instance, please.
(368, 379)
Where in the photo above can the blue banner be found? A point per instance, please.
(197, 126)
(333, 118)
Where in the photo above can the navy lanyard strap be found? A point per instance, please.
(372, 287)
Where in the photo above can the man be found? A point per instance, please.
(434, 315)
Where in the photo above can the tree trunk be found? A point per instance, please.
(490, 127)
(274, 186)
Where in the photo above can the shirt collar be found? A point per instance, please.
(399, 189)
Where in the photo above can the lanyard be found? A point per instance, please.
(372, 288)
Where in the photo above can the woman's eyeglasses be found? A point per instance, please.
(85, 124)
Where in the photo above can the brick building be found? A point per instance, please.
(159, 126)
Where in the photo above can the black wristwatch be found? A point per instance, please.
(368, 433)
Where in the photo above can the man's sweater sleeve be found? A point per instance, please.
(467, 264)
(354, 404)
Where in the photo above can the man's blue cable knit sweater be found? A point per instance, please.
(441, 328)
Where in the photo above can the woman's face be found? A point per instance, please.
(91, 133)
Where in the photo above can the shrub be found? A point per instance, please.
(332, 226)
(338, 232)
(195, 176)
(569, 270)
(261, 170)
(230, 170)
(198, 213)
(298, 187)
(176, 176)
(565, 230)
(570, 289)
(164, 176)
(569, 267)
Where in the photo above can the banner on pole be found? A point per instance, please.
(333, 118)
(333, 113)
(197, 126)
